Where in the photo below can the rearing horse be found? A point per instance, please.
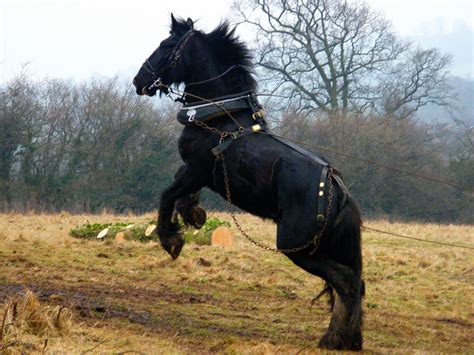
(227, 146)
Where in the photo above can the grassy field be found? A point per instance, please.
(132, 297)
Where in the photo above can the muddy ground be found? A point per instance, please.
(133, 297)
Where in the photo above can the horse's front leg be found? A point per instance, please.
(189, 209)
(185, 183)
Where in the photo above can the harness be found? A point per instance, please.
(201, 112)
(204, 110)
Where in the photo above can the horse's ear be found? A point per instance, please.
(174, 23)
(190, 23)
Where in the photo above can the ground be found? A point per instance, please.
(133, 298)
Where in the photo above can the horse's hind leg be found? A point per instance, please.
(345, 328)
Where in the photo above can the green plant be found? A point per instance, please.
(212, 223)
(89, 230)
(137, 231)
(203, 236)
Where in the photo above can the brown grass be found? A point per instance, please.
(132, 296)
(26, 317)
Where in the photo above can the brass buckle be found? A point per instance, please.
(257, 115)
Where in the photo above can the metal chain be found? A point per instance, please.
(222, 134)
(314, 242)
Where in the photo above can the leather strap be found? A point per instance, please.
(321, 186)
(338, 179)
(302, 151)
(206, 110)
(227, 141)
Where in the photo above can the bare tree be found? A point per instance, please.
(416, 81)
(335, 56)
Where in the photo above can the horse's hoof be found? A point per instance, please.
(333, 341)
(173, 245)
(199, 217)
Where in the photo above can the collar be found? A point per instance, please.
(208, 109)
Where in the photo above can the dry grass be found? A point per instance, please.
(25, 317)
(132, 296)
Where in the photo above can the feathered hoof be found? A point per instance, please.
(199, 217)
(193, 216)
(334, 341)
(171, 240)
(173, 245)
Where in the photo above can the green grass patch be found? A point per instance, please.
(134, 231)
(203, 235)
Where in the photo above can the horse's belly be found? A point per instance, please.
(261, 207)
(250, 194)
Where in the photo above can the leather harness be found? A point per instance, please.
(204, 111)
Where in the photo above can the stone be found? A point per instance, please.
(203, 262)
(55, 297)
(223, 237)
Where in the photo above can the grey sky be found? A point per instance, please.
(80, 38)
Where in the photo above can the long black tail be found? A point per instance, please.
(345, 237)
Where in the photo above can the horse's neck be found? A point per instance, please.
(222, 86)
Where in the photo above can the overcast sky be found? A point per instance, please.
(81, 38)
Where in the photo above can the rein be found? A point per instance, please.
(157, 82)
(214, 77)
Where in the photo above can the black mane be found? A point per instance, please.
(230, 50)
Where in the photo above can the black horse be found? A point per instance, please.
(226, 146)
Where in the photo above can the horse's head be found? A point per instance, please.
(161, 68)
(210, 64)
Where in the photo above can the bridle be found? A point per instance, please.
(175, 55)
(175, 58)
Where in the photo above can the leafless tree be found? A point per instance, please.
(335, 56)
